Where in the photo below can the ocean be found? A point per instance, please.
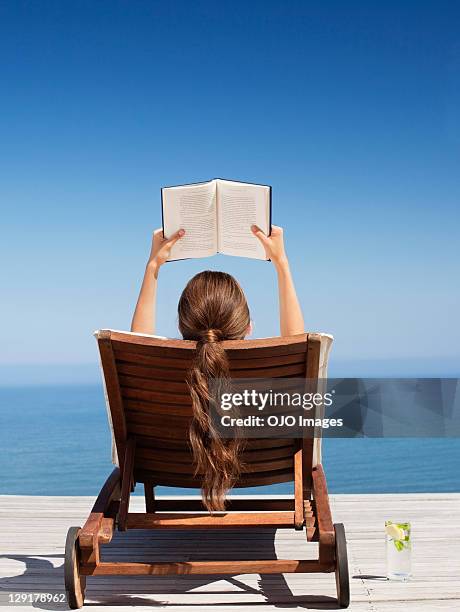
(54, 440)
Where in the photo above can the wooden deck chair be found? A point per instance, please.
(150, 410)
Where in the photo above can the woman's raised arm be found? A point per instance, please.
(144, 315)
(291, 318)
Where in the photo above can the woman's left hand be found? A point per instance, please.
(273, 244)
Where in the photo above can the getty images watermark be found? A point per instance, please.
(253, 399)
(336, 407)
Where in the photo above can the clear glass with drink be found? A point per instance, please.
(399, 551)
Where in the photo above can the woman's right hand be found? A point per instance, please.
(161, 247)
(273, 244)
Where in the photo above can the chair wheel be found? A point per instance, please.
(342, 579)
(75, 584)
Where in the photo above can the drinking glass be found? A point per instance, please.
(398, 549)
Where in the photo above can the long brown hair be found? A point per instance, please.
(212, 308)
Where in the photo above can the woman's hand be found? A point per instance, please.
(291, 318)
(273, 244)
(144, 315)
(161, 247)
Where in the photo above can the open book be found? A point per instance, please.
(217, 218)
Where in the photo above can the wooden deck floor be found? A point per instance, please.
(32, 534)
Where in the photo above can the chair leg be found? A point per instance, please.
(126, 483)
(149, 492)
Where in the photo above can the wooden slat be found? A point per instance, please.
(157, 465)
(191, 505)
(126, 483)
(133, 405)
(173, 378)
(265, 454)
(158, 421)
(138, 340)
(175, 399)
(125, 357)
(175, 349)
(268, 362)
(178, 390)
(175, 480)
(140, 407)
(167, 467)
(279, 371)
(137, 520)
(164, 431)
(268, 347)
(255, 480)
(298, 486)
(267, 443)
(152, 373)
(182, 445)
(156, 396)
(311, 371)
(184, 456)
(182, 349)
(273, 566)
(312, 532)
(113, 393)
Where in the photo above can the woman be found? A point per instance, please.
(213, 308)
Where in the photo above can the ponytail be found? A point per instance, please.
(216, 459)
(212, 308)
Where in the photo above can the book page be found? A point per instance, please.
(240, 205)
(192, 208)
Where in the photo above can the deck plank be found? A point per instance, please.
(33, 532)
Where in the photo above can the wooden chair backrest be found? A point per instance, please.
(149, 400)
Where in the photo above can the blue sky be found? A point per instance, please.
(349, 110)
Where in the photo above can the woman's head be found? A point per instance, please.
(212, 308)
